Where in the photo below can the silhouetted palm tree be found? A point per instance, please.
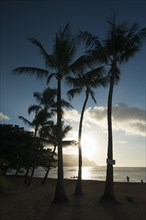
(46, 103)
(35, 125)
(51, 139)
(121, 44)
(59, 63)
(84, 82)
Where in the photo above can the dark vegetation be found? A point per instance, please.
(16, 148)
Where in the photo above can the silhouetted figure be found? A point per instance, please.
(127, 178)
(129, 199)
(141, 181)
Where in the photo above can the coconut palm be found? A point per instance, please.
(58, 64)
(35, 125)
(50, 137)
(38, 124)
(46, 102)
(84, 83)
(121, 44)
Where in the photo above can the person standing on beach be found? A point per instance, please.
(127, 178)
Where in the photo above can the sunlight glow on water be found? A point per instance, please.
(86, 173)
(136, 174)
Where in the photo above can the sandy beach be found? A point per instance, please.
(34, 202)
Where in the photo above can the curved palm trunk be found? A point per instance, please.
(108, 195)
(60, 195)
(47, 172)
(78, 189)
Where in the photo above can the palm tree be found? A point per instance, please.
(121, 44)
(46, 101)
(51, 139)
(58, 64)
(84, 82)
(35, 125)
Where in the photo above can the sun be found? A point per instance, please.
(88, 146)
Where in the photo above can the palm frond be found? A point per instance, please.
(26, 121)
(75, 81)
(66, 32)
(49, 78)
(73, 92)
(82, 63)
(65, 130)
(40, 73)
(65, 104)
(126, 55)
(47, 58)
(93, 96)
(99, 80)
(89, 39)
(37, 96)
(33, 108)
(97, 72)
(64, 49)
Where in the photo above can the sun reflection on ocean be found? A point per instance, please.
(86, 173)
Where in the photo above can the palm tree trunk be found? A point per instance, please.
(30, 159)
(60, 195)
(31, 176)
(78, 189)
(26, 175)
(17, 170)
(108, 195)
(46, 175)
(35, 158)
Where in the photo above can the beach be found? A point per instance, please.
(34, 202)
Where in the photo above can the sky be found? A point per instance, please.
(42, 19)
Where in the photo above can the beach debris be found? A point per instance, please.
(129, 199)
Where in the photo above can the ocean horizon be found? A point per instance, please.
(135, 174)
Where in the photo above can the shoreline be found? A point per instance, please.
(99, 173)
(34, 202)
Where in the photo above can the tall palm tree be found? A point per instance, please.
(121, 44)
(59, 63)
(84, 82)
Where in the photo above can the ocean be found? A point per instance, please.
(135, 174)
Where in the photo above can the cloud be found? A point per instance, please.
(124, 112)
(131, 120)
(122, 142)
(3, 117)
(71, 115)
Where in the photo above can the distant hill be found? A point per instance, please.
(72, 160)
